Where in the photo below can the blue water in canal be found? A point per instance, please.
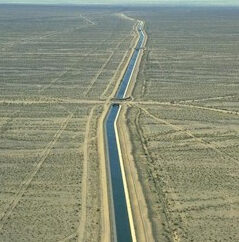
(122, 225)
(123, 86)
(120, 208)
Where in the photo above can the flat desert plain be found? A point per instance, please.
(184, 122)
(58, 65)
(59, 69)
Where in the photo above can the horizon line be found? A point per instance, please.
(126, 4)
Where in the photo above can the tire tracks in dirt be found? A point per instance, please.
(142, 224)
(11, 44)
(87, 20)
(101, 70)
(106, 228)
(93, 81)
(81, 228)
(58, 101)
(61, 75)
(117, 70)
(208, 108)
(190, 134)
(208, 99)
(137, 199)
(222, 155)
(158, 183)
(150, 172)
(25, 184)
(184, 105)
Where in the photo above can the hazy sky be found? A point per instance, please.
(194, 2)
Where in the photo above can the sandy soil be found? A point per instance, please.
(139, 208)
(105, 197)
(142, 223)
(81, 229)
(25, 184)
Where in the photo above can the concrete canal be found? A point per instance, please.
(121, 222)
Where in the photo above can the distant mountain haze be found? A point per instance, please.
(131, 2)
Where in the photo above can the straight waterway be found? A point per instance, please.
(121, 222)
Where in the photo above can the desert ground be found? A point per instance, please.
(58, 67)
(184, 123)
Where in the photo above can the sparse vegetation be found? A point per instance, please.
(56, 65)
(58, 68)
(184, 123)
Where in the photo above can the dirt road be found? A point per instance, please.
(143, 229)
(139, 208)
